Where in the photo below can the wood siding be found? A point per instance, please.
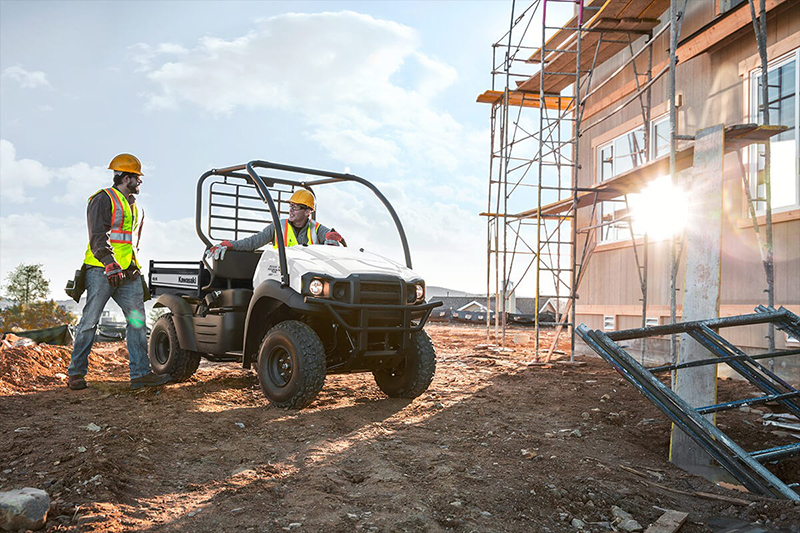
(713, 91)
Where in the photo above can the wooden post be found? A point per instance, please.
(698, 385)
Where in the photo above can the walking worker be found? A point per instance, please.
(112, 271)
(299, 228)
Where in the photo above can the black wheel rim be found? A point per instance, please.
(161, 348)
(280, 366)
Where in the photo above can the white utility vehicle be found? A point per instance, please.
(295, 313)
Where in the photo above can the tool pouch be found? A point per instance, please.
(76, 287)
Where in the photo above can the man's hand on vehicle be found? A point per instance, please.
(218, 250)
(114, 274)
(333, 238)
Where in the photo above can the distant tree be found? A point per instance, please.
(26, 284)
(37, 315)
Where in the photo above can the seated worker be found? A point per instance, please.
(299, 228)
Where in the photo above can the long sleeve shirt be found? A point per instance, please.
(98, 217)
(267, 235)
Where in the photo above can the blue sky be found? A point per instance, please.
(384, 90)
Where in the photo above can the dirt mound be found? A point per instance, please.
(26, 369)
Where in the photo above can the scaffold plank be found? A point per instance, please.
(516, 98)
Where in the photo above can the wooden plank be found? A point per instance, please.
(701, 294)
(562, 35)
(566, 61)
(716, 32)
(669, 522)
(525, 100)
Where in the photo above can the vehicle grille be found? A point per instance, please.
(381, 292)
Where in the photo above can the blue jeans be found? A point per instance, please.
(130, 297)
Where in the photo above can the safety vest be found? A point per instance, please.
(289, 238)
(124, 224)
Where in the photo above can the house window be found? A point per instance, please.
(783, 81)
(609, 323)
(617, 156)
(620, 155)
(649, 322)
(659, 137)
(727, 5)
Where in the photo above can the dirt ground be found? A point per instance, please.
(495, 444)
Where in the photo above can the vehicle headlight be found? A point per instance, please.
(420, 291)
(316, 287)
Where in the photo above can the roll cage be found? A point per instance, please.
(263, 184)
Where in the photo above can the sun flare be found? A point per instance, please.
(661, 210)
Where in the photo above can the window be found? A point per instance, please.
(619, 155)
(783, 83)
(727, 5)
(650, 322)
(791, 340)
(608, 323)
(659, 138)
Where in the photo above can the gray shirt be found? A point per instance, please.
(266, 235)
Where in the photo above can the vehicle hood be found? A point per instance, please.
(333, 261)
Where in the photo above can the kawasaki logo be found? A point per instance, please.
(193, 279)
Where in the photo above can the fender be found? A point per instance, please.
(181, 317)
(268, 298)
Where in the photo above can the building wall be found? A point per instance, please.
(713, 88)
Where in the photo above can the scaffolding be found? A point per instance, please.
(537, 120)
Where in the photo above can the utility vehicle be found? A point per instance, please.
(294, 313)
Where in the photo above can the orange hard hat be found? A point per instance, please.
(126, 163)
(303, 197)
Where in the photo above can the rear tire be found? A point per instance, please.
(291, 365)
(415, 374)
(165, 354)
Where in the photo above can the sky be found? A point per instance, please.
(384, 90)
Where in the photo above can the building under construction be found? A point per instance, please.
(601, 184)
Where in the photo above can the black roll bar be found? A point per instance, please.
(262, 187)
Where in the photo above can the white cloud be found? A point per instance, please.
(17, 174)
(363, 85)
(67, 185)
(144, 55)
(25, 78)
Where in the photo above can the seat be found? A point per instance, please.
(237, 265)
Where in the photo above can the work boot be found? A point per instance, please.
(76, 382)
(150, 380)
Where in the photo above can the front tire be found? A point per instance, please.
(291, 365)
(165, 354)
(414, 375)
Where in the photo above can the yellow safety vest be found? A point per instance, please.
(289, 238)
(124, 224)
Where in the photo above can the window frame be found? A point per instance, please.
(600, 177)
(752, 107)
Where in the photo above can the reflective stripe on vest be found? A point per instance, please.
(124, 223)
(289, 238)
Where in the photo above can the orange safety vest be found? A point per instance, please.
(289, 238)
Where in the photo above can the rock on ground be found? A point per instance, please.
(23, 509)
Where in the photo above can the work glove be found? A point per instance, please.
(114, 274)
(333, 238)
(217, 251)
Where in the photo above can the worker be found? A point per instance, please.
(112, 271)
(299, 228)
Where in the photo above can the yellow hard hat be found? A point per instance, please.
(126, 163)
(303, 197)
